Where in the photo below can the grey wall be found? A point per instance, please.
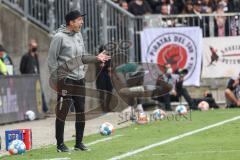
(15, 33)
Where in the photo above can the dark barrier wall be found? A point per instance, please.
(17, 95)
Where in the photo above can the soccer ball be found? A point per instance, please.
(17, 147)
(158, 114)
(30, 115)
(181, 109)
(203, 106)
(142, 118)
(106, 129)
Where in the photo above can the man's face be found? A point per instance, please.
(33, 46)
(77, 24)
(164, 10)
(125, 5)
(197, 7)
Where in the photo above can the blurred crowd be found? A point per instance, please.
(223, 25)
(169, 7)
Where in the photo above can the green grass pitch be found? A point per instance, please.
(218, 143)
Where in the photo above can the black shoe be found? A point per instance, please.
(81, 147)
(62, 148)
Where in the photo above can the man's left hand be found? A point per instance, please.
(103, 57)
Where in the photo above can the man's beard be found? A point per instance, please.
(77, 29)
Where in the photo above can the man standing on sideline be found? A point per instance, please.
(29, 62)
(66, 59)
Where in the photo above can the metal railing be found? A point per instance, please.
(208, 22)
(106, 21)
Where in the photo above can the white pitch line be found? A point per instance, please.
(66, 158)
(103, 140)
(89, 144)
(128, 154)
(198, 152)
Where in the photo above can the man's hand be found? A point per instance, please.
(103, 57)
(173, 92)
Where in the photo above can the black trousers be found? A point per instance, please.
(68, 95)
(168, 98)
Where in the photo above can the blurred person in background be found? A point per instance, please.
(232, 92)
(139, 7)
(29, 63)
(207, 6)
(3, 68)
(221, 22)
(124, 5)
(188, 8)
(173, 6)
(166, 22)
(104, 83)
(228, 5)
(6, 60)
(208, 97)
(176, 79)
(155, 5)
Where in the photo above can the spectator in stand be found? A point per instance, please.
(164, 10)
(124, 5)
(173, 6)
(232, 93)
(188, 8)
(139, 7)
(193, 8)
(154, 4)
(207, 6)
(236, 4)
(221, 24)
(176, 6)
(166, 22)
(228, 5)
(197, 7)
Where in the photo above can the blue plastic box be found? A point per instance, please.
(11, 135)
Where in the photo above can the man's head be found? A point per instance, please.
(33, 45)
(197, 6)
(124, 5)
(74, 20)
(164, 9)
(189, 6)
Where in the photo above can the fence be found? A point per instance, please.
(106, 21)
(19, 94)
